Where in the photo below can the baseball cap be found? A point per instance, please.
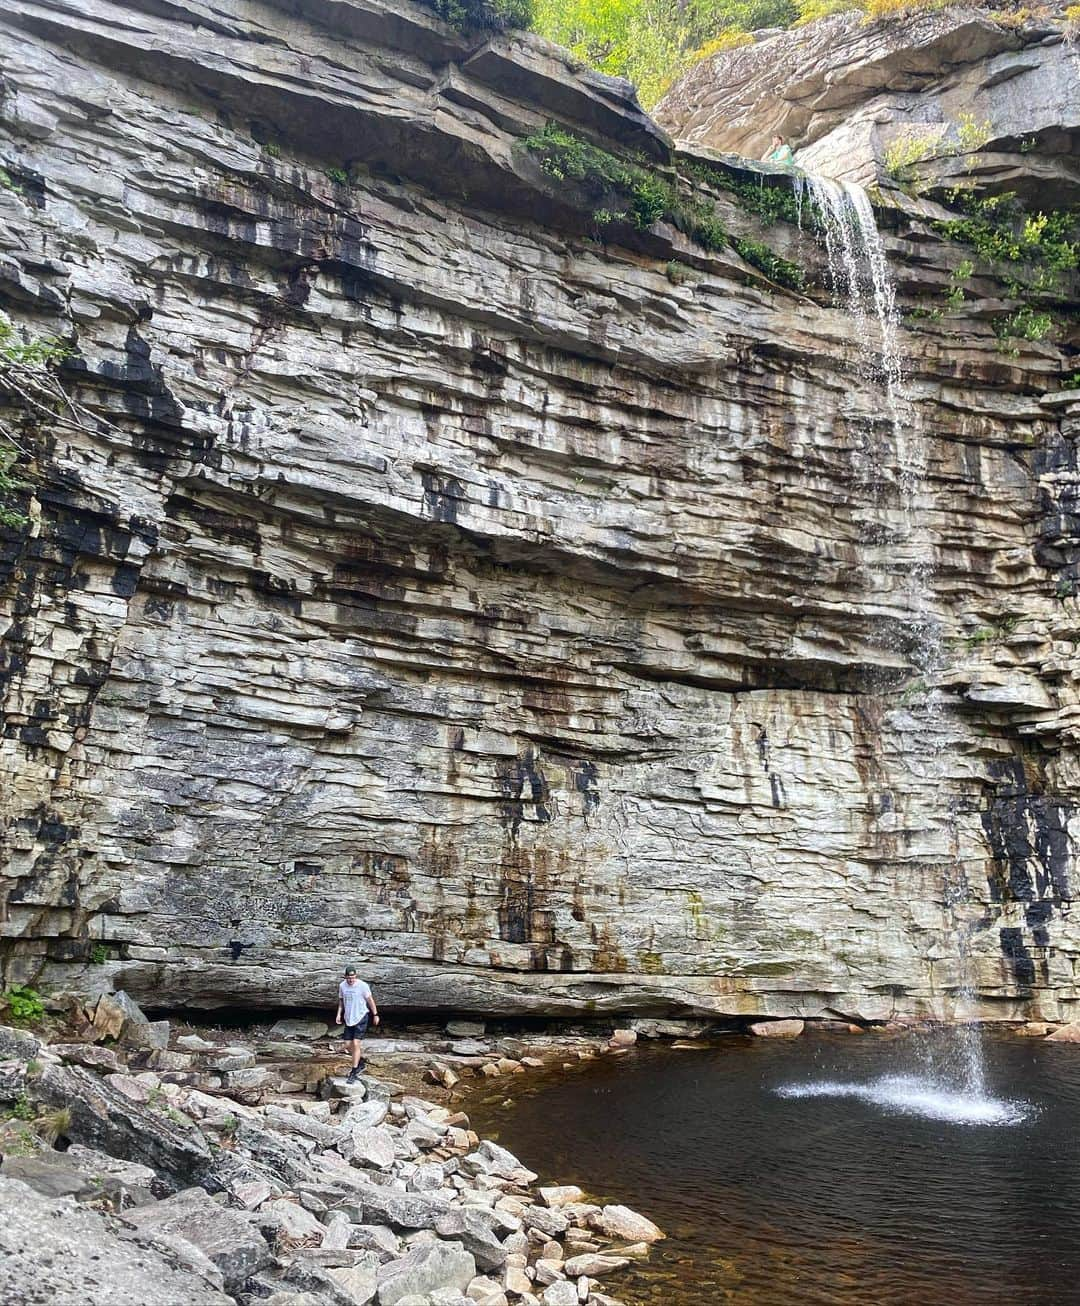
(350, 970)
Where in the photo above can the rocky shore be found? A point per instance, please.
(142, 1163)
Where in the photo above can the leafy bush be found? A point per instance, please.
(23, 365)
(811, 10)
(889, 8)
(24, 1005)
(647, 197)
(973, 134)
(563, 155)
(729, 40)
(1026, 324)
(776, 268)
(1035, 250)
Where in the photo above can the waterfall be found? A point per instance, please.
(859, 280)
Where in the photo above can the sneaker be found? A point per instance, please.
(354, 1075)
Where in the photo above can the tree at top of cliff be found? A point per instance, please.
(650, 42)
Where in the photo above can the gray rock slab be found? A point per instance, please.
(425, 1269)
(474, 1229)
(298, 1028)
(105, 1119)
(222, 1235)
(17, 1044)
(54, 1253)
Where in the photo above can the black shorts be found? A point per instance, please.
(351, 1032)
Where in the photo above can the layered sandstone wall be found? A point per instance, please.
(441, 586)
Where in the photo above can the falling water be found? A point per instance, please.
(859, 280)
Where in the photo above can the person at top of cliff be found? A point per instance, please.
(779, 153)
(355, 1003)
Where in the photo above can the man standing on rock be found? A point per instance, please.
(355, 1001)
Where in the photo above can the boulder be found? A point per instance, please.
(224, 1237)
(194, 1043)
(305, 1029)
(52, 1175)
(291, 1221)
(475, 1231)
(622, 1222)
(359, 1282)
(17, 1044)
(118, 1016)
(562, 1195)
(376, 1238)
(147, 1033)
(90, 1055)
(397, 1209)
(124, 1179)
(563, 1293)
(491, 1159)
(594, 1265)
(364, 1115)
(104, 1118)
(546, 1221)
(1066, 1034)
(425, 1269)
(465, 1028)
(777, 1028)
(373, 1147)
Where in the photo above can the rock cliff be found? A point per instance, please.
(431, 574)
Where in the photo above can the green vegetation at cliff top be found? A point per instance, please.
(653, 42)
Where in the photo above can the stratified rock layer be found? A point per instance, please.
(943, 82)
(451, 593)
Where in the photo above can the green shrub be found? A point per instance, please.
(564, 156)
(24, 1005)
(22, 1108)
(1034, 251)
(338, 175)
(1025, 324)
(776, 268)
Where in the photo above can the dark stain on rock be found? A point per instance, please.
(1018, 959)
(585, 779)
(516, 778)
(443, 496)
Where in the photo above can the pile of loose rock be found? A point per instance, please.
(135, 1172)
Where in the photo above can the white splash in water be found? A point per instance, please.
(910, 1096)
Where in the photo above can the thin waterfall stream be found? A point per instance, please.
(951, 1079)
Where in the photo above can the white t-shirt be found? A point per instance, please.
(354, 1001)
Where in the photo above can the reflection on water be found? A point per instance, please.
(824, 1170)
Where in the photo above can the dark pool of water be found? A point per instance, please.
(858, 1193)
